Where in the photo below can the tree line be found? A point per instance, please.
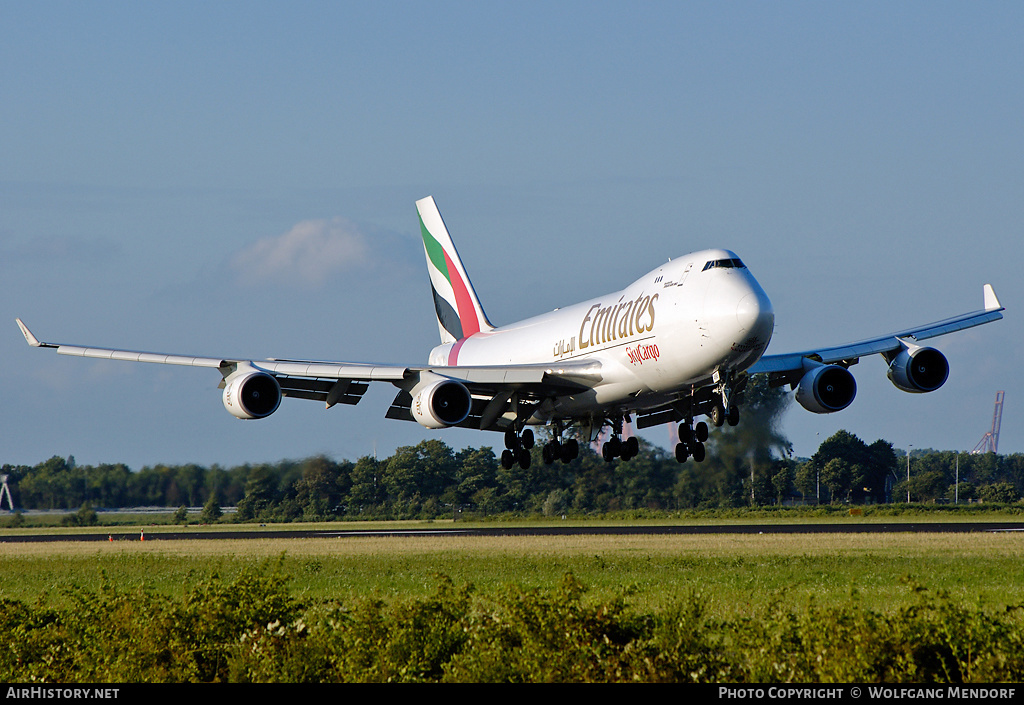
(431, 480)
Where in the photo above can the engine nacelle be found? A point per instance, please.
(251, 394)
(825, 389)
(918, 369)
(438, 402)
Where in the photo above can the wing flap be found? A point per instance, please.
(329, 391)
(336, 370)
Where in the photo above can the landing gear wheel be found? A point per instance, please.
(524, 458)
(570, 450)
(630, 448)
(611, 449)
(508, 459)
(698, 452)
(682, 453)
(701, 432)
(606, 453)
(527, 439)
(733, 417)
(551, 451)
(717, 415)
(511, 439)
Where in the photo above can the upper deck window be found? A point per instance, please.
(723, 264)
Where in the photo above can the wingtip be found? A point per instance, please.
(31, 339)
(991, 301)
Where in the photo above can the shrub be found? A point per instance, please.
(251, 629)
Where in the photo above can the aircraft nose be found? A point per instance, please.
(754, 313)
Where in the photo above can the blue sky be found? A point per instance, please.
(238, 179)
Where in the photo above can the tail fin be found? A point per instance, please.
(459, 313)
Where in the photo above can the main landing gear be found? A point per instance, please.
(615, 447)
(518, 446)
(691, 441)
(517, 449)
(692, 437)
(566, 451)
(557, 449)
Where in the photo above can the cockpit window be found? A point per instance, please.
(723, 264)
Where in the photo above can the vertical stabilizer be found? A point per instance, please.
(459, 313)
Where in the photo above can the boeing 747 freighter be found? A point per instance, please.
(676, 345)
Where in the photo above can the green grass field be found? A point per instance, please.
(735, 573)
(825, 607)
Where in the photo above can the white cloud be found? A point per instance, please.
(308, 254)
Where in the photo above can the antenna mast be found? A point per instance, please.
(5, 491)
(989, 443)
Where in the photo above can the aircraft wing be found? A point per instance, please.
(493, 388)
(785, 365)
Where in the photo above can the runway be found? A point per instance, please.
(520, 531)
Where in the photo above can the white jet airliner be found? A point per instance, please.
(676, 344)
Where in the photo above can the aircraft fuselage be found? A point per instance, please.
(672, 328)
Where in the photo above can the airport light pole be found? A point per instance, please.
(908, 471)
(817, 477)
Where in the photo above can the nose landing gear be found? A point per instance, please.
(719, 416)
(725, 411)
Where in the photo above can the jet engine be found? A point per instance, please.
(826, 388)
(918, 369)
(438, 402)
(251, 394)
